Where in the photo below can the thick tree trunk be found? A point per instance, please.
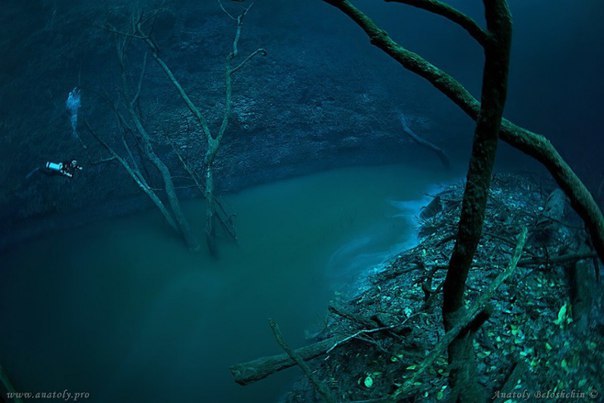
(462, 374)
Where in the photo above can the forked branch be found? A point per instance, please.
(213, 140)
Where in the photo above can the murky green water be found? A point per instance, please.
(121, 310)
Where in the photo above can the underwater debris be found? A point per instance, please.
(392, 327)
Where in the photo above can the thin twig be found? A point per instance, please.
(358, 333)
(102, 161)
(260, 51)
(225, 11)
(139, 86)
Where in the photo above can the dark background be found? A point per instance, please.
(322, 98)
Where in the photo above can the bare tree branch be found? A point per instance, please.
(445, 10)
(213, 141)
(138, 179)
(425, 143)
(260, 51)
(530, 143)
(183, 94)
(225, 11)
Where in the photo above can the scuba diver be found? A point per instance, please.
(66, 168)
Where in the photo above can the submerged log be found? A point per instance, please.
(260, 368)
(255, 370)
(319, 386)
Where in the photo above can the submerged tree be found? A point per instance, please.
(127, 110)
(489, 127)
(130, 121)
(213, 140)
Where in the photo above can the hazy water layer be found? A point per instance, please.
(123, 311)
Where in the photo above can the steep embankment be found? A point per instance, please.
(313, 103)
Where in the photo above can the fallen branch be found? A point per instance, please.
(425, 143)
(172, 209)
(255, 370)
(175, 207)
(318, 385)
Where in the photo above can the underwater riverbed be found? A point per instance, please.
(121, 309)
